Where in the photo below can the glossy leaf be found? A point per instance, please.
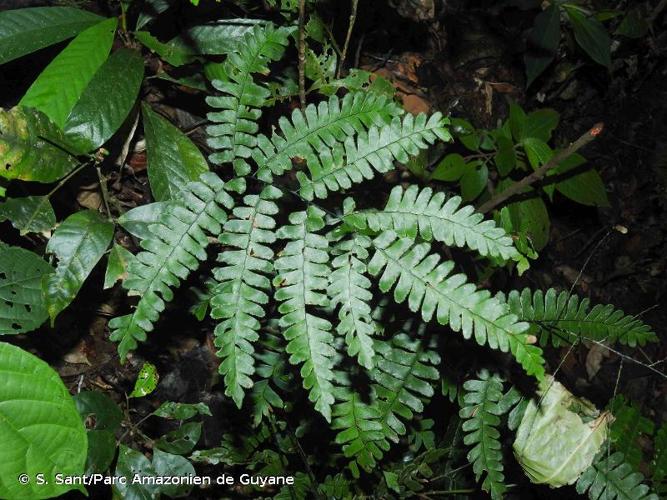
(58, 88)
(22, 307)
(132, 464)
(591, 35)
(169, 465)
(40, 429)
(181, 440)
(106, 101)
(78, 243)
(137, 220)
(32, 147)
(32, 214)
(586, 187)
(174, 52)
(543, 43)
(23, 31)
(219, 37)
(119, 258)
(181, 411)
(173, 159)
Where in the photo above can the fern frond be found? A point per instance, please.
(429, 287)
(561, 318)
(405, 375)
(659, 462)
(302, 279)
(235, 132)
(271, 370)
(376, 150)
(242, 287)
(626, 430)
(175, 249)
(350, 288)
(433, 217)
(361, 431)
(317, 128)
(481, 413)
(612, 478)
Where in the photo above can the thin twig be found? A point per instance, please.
(105, 191)
(302, 53)
(346, 45)
(518, 186)
(120, 161)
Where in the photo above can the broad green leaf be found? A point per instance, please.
(505, 157)
(23, 31)
(474, 181)
(78, 243)
(517, 121)
(32, 147)
(634, 25)
(119, 258)
(40, 429)
(101, 451)
(451, 168)
(132, 464)
(590, 35)
(104, 417)
(106, 101)
(586, 188)
(466, 133)
(173, 159)
(22, 307)
(540, 124)
(542, 43)
(181, 411)
(58, 88)
(168, 465)
(175, 52)
(32, 214)
(181, 440)
(220, 37)
(532, 220)
(146, 381)
(538, 152)
(137, 220)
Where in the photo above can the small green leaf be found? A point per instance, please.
(32, 214)
(22, 307)
(533, 220)
(466, 133)
(32, 147)
(220, 37)
(119, 258)
(181, 411)
(540, 124)
(96, 404)
(23, 31)
(586, 187)
(134, 465)
(391, 478)
(174, 52)
(173, 159)
(168, 465)
(517, 121)
(473, 182)
(78, 243)
(106, 101)
(40, 429)
(538, 152)
(58, 88)
(634, 25)
(542, 43)
(590, 35)
(182, 440)
(451, 168)
(505, 157)
(137, 220)
(146, 381)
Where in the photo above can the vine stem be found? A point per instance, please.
(302, 53)
(348, 36)
(518, 186)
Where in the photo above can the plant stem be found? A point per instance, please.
(302, 53)
(66, 178)
(518, 186)
(346, 45)
(105, 191)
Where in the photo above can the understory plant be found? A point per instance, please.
(337, 305)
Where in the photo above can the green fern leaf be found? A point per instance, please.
(376, 149)
(612, 478)
(659, 462)
(561, 318)
(405, 376)
(349, 288)
(316, 128)
(177, 246)
(481, 413)
(627, 429)
(427, 285)
(236, 125)
(272, 372)
(241, 294)
(303, 276)
(413, 212)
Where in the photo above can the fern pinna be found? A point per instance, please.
(299, 290)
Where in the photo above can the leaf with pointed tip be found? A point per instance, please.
(119, 258)
(78, 243)
(32, 214)
(137, 220)
(58, 88)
